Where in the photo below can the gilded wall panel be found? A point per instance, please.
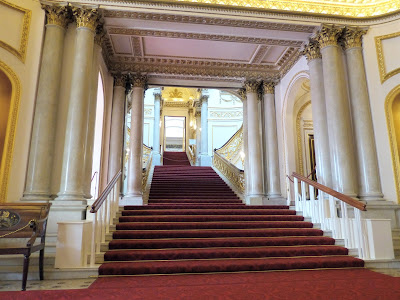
(387, 52)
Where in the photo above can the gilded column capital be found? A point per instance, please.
(87, 18)
(311, 50)
(197, 113)
(139, 81)
(204, 98)
(352, 37)
(242, 94)
(120, 80)
(328, 36)
(269, 87)
(100, 34)
(57, 15)
(157, 96)
(251, 86)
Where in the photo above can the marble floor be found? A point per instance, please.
(84, 283)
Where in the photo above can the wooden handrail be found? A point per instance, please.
(357, 204)
(97, 204)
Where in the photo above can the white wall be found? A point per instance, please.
(27, 73)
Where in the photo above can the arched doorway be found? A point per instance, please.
(9, 104)
(392, 108)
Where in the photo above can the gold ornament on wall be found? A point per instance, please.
(383, 73)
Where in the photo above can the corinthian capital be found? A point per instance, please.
(120, 80)
(269, 87)
(352, 37)
(311, 50)
(86, 17)
(251, 86)
(157, 96)
(139, 81)
(328, 36)
(204, 98)
(57, 15)
(242, 94)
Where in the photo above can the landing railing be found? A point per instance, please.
(230, 171)
(231, 149)
(341, 214)
(105, 209)
(191, 153)
(146, 154)
(146, 170)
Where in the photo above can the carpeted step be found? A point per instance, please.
(213, 253)
(219, 242)
(196, 201)
(228, 265)
(208, 212)
(208, 233)
(210, 218)
(202, 206)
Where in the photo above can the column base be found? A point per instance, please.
(274, 200)
(156, 159)
(37, 197)
(205, 160)
(254, 199)
(383, 210)
(368, 198)
(131, 200)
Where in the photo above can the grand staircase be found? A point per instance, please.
(194, 223)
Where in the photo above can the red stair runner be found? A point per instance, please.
(175, 158)
(194, 223)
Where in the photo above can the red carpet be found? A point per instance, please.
(351, 284)
(175, 158)
(194, 223)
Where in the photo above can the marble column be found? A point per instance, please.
(156, 135)
(205, 159)
(198, 135)
(134, 195)
(92, 111)
(256, 177)
(117, 126)
(73, 173)
(318, 106)
(368, 172)
(344, 176)
(242, 94)
(272, 186)
(41, 155)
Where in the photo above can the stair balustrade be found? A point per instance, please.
(147, 159)
(191, 153)
(105, 209)
(342, 215)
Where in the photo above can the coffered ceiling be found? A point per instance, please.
(184, 47)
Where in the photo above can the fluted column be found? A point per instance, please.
(117, 126)
(205, 159)
(41, 155)
(198, 136)
(318, 106)
(135, 166)
(156, 135)
(338, 115)
(92, 112)
(72, 177)
(256, 192)
(242, 94)
(369, 181)
(273, 186)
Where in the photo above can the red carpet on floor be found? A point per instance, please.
(175, 158)
(343, 284)
(194, 223)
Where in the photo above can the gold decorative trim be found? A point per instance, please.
(298, 133)
(392, 138)
(10, 132)
(231, 172)
(21, 52)
(176, 104)
(384, 75)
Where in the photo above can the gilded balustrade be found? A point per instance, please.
(147, 157)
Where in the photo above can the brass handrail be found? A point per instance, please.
(342, 197)
(98, 203)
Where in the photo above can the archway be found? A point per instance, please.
(392, 108)
(9, 103)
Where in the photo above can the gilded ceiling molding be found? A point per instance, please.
(87, 18)
(352, 37)
(120, 80)
(202, 36)
(208, 21)
(176, 104)
(328, 36)
(26, 21)
(251, 86)
(57, 15)
(383, 73)
(139, 81)
(311, 50)
(269, 87)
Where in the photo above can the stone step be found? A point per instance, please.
(18, 259)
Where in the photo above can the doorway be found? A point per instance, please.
(174, 133)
